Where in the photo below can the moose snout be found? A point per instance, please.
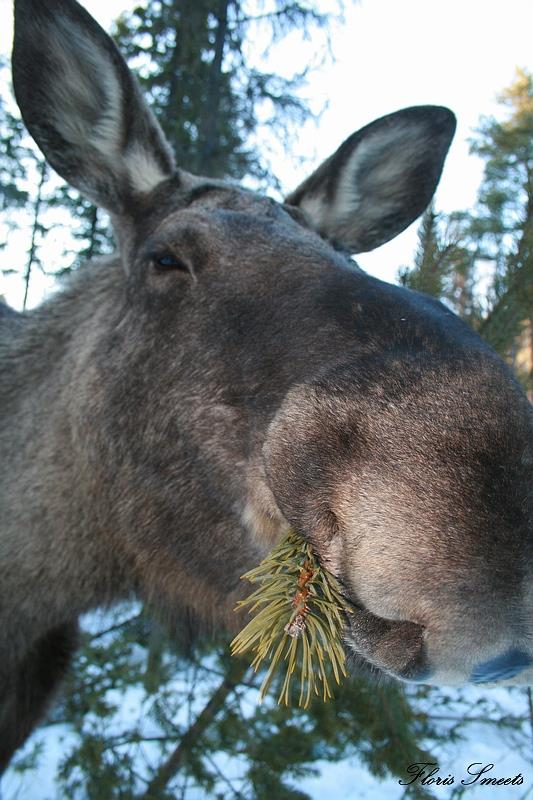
(426, 519)
(394, 647)
(414, 653)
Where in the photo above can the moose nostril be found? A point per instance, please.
(504, 666)
(396, 646)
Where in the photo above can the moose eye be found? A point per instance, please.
(167, 262)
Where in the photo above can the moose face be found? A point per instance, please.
(366, 416)
(236, 374)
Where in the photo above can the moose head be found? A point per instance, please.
(231, 373)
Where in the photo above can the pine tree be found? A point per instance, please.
(13, 194)
(204, 90)
(32, 197)
(190, 57)
(504, 224)
(452, 249)
(444, 262)
(204, 731)
(204, 735)
(90, 233)
(12, 154)
(428, 273)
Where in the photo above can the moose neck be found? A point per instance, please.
(91, 448)
(50, 395)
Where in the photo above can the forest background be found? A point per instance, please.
(148, 715)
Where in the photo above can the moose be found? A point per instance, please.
(231, 373)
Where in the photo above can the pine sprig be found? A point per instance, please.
(299, 618)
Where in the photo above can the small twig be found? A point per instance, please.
(508, 718)
(35, 228)
(530, 708)
(223, 778)
(118, 626)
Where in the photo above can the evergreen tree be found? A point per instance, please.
(12, 154)
(34, 199)
(38, 230)
(191, 59)
(504, 225)
(428, 273)
(444, 262)
(13, 194)
(204, 735)
(90, 233)
(452, 249)
(204, 731)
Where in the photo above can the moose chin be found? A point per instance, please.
(230, 373)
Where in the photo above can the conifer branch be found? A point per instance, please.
(173, 763)
(300, 614)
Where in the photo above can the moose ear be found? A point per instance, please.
(380, 179)
(83, 106)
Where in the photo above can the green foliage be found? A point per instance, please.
(300, 620)
(204, 733)
(505, 215)
(90, 233)
(453, 249)
(194, 65)
(201, 82)
(242, 748)
(13, 153)
(444, 262)
(428, 273)
(506, 146)
(32, 197)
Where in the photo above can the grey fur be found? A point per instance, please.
(163, 425)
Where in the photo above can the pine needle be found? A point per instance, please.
(298, 623)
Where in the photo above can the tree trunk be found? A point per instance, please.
(35, 227)
(211, 113)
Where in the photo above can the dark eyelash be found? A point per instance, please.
(166, 262)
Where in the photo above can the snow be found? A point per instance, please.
(348, 779)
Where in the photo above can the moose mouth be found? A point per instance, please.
(383, 647)
(396, 649)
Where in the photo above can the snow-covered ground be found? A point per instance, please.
(350, 779)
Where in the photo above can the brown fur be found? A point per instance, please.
(163, 425)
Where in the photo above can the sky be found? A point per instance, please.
(390, 54)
